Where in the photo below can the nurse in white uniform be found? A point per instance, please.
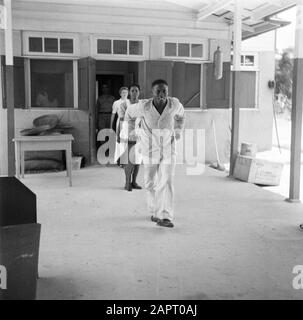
(131, 159)
(117, 106)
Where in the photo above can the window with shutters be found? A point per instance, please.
(218, 92)
(51, 83)
(249, 80)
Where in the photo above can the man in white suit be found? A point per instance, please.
(162, 120)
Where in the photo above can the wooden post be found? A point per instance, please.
(296, 113)
(9, 85)
(237, 39)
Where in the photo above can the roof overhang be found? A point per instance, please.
(258, 16)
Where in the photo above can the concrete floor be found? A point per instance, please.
(283, 155)
(231, 240)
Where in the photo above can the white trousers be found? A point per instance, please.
(159, 184)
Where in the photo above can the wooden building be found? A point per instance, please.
(72, 47)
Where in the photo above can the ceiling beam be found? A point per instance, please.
(247, 28)
(209, 10)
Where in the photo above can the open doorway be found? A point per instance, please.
(107, 90)
(113, 74)
(113, 81)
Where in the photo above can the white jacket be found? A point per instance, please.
(157, 131)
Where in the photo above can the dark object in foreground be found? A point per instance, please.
(165, 223)
(154, 219)
(19, 239)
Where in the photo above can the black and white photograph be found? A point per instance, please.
(150, 153)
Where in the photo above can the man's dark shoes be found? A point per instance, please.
(165, 223)
(128, 187)
(154, 219)
(136, 186)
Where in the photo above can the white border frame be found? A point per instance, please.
(119, 57)
(204, 42)
(58, 35)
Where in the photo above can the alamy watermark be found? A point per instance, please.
(3, 278)
(187, 149)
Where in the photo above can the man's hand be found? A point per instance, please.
(178, 135)
(179, 124)
(178, 117)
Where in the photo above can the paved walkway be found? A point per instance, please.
(232, 240)
(283, 155)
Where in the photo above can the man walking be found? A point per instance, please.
(162, 120)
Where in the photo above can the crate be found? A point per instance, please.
(258, 171)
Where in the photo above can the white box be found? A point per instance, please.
(258, 171)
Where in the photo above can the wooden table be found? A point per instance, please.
(43, 143)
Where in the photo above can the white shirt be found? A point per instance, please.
(117, 105)
(130, 127)
(157, 131)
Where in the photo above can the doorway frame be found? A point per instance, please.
(108, 73)
(125, 74)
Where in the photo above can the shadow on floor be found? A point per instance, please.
(58, 288)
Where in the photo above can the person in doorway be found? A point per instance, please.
(131, 157)
(162, 121)
(104, 108)
(117, 128)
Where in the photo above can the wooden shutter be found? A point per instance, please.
(19, 82)
(150, 71)
(247, 89)
(87, 98)
(3, 82)
(192, 85)
(83, 72)
(218, 91)
(179, 73)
